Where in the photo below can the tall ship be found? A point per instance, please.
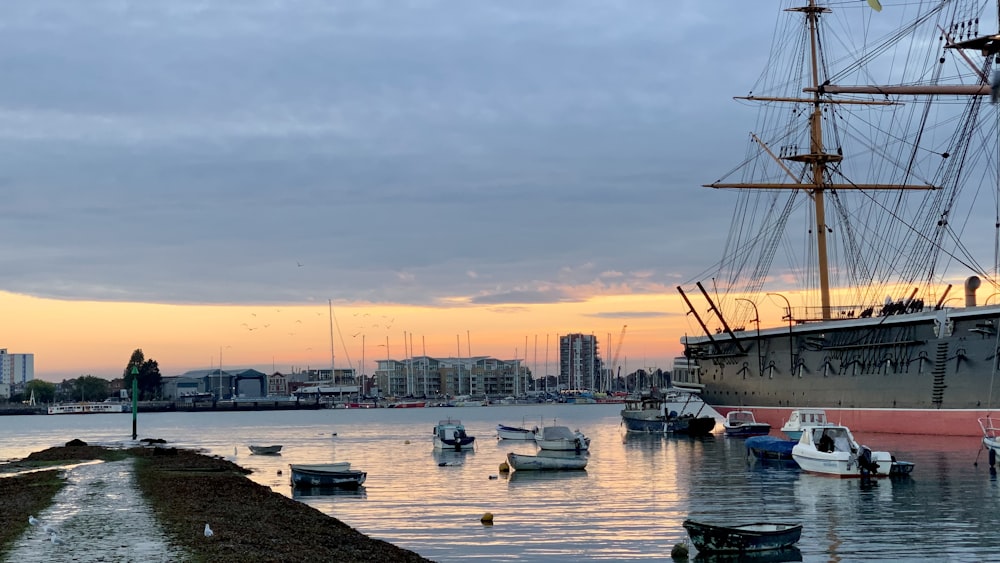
(866, 225)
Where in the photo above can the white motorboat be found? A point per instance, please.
(803, 417)
(545, 461)
(449, 434)
(832, 450)
(561, 438)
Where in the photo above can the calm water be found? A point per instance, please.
(627, 505)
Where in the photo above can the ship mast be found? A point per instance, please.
(817, 159)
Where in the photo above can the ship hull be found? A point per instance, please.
(929, 372)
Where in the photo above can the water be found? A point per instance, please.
(628, 505)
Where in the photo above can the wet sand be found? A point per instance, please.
(98, 516)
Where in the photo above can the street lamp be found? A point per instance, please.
(756, 319)
(788, 308)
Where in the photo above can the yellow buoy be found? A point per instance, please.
(487, 519)
(504, 468)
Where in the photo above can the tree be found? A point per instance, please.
(149, 375)
(90, 388)
(45, 392)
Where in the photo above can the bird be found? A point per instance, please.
(299, 264)
(56, 539)
(48, 529)
(208, 531)
(33, 521)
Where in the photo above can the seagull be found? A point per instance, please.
(56, 539)
(208, 531)
(48, 529)
(33, 521)
(300, 264)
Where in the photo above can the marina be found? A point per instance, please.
(628, 504)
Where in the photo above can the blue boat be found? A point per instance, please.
(742, 538)
(769, 447)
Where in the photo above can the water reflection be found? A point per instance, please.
(302, 492)
(774, 556)
(548, 477)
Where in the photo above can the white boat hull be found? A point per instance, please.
(521, 462)
(562, 439)
(842, 456)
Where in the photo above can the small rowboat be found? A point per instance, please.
(265, 450)
(522, 462)
(743, 538)
(515, 433)
(327, 475)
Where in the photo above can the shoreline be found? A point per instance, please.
(185, 490)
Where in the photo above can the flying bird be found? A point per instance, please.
(208, 531)
(33, 521)
(299, 264)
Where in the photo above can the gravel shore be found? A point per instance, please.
(181, 490)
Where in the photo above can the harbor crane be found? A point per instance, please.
(615, 368)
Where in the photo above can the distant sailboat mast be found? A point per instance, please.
(333, 373)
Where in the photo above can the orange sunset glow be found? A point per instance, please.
(72, 338)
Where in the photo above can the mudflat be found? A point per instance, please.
(183, 490)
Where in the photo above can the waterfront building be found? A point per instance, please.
(580, 362)
(15, 371)
(478, 376)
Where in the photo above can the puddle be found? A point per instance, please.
(99, 515)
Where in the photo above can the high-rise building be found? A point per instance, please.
(579, 362)
(15, 371)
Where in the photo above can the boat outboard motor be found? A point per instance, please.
(865, 462)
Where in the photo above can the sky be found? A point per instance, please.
(206, 181)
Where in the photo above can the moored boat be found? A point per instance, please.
(832, 450)
(449, 434)
(644, 413)
(742, 538)
(874, 339)
(741, 424)
(690, 424)
(545, 461)
(87, 408)
(516, 433)
(327, 475)
(561, 438)
(769, 447)
(803, 417)
(265, 450)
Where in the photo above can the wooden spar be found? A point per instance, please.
(917, 90)
(810, 186)
(725, 325)
(704, 328)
